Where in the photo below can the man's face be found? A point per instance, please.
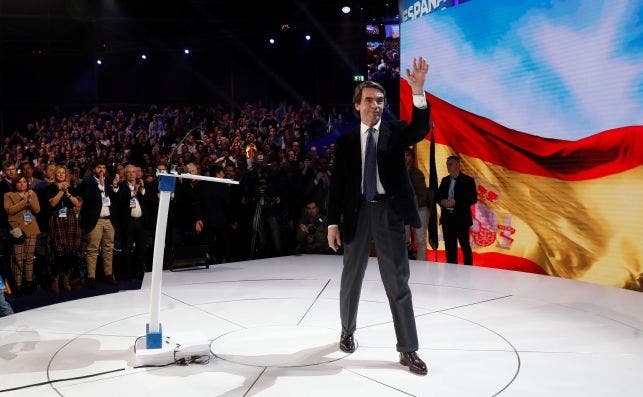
(371, 106)
(130, 174)
(27, 170)
(453, 166)
(229, 172)
(312, 209)
(100, 170)
(10, 171)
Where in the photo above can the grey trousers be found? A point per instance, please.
(379, 223)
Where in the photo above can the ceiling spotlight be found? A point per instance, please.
(307, 37)
(186, 51)
(99, 61)
(346, 9)
(143, 56)
(272, 41)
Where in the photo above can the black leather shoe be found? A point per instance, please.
(347, 343)
(91, 282)
(415, 364)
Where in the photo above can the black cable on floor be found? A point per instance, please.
(60, 380)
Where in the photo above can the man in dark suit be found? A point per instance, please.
(456, 194)
(99, 198)
(134, 210)
(212, 210)
(371, 195)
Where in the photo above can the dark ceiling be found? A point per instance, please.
(49, 50)
(113, 26)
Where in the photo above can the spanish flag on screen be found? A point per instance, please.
(571, 209)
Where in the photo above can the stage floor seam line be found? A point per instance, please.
(203, 310)
(314, 301)
(248, 280)
(255, 382)
(599, 315)
(440, 311)
(378, 382)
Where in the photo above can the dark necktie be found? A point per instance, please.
(370, 167)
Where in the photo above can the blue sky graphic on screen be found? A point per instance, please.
(560, 69)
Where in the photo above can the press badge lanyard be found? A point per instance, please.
(27, 217)
(132, 200)
(104, 197)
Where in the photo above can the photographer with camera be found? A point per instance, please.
(263, 188)
(311, 232)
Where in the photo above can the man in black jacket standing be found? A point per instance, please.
(371, 195)
(134, 212)
(456, 194)
(96, 218)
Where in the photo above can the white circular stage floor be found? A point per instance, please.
(272, 327)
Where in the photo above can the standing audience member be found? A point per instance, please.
(27, 170)
(96, 216)
(456, 194)
(9, 170)
(212, 209)
(135, 206)
(21, 205)
(64, 229)
(5, 307)
(421, 196)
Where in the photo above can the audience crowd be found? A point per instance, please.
(81, 192)
(383, 60)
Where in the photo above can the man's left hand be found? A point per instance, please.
(417, 77)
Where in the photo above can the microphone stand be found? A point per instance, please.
(171, 156)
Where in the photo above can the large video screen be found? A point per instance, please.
(543, 100)
(383, 51)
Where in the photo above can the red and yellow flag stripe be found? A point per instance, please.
(567, 208)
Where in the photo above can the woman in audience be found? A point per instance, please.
(21, 204)
(64, 228)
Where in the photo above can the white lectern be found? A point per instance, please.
(155, 352)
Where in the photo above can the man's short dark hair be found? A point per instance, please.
(357, 95)
(99, 161)
(215, 169)
(456, 158)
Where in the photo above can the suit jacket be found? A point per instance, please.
(123, 210)
(93, 202)
(5, 187)
(465, 195)
(211, 205)
(345, 194)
